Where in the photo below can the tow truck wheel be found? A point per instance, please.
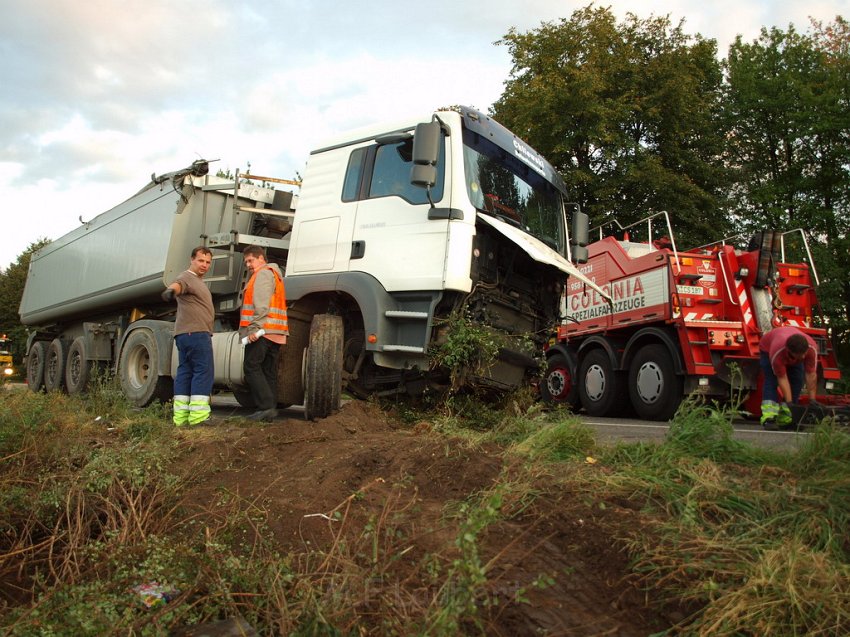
(35, 366)
(654, 388)
(599, 384)
(323, 367)
(559, 386)
(138, 370)
(54, 365)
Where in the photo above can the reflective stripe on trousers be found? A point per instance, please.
(191, 410)
(771, 410)
(181, 410)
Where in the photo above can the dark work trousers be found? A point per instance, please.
(796, 376)
(260, 367)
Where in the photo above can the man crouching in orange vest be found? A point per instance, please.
(263, 321)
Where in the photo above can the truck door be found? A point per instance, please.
(393, 239)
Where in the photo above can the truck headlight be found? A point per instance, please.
(8, 371)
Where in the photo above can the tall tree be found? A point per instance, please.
(788, 107)
(12, 282)
(629, 113)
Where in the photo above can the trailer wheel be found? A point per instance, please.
(599, 384)
(35, 366)
(559, 386)
(654, 388)
(54, 365)
(137, 370)
(323, 367)
(78, 369)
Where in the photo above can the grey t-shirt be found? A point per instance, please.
(195, 311)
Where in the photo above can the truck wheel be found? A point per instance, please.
(35, 366)
(78, 369)
(244, 398)
(54, 365)
(654, 388)
(599, 384)
(137, 370)
(559, 386)
(323, 367)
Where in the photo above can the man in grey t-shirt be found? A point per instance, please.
(193, 335)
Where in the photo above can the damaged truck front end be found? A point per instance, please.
(492, 335)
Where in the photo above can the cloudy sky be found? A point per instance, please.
(96, 95)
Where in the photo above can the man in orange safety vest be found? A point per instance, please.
(263, 321)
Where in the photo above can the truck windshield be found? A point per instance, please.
(500, 184)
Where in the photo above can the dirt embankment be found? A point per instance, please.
(360, 465)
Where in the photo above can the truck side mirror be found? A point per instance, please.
(426, 150)
(579, 236)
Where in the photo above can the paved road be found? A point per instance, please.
(628, 430)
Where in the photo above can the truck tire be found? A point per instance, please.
(655, 389)
(323, 367)
(54, 365)
(599, 386)
(78, 369)
(244, 398)
(559, 386)
(35, 366)
(137, 370)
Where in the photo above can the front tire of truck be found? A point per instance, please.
(560, 386)
(35, 366)
(244, 398)
(137, 370)
(54, 366)
(599, 384)
(323, 367)
(654, 387)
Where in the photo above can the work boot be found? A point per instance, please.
(770, 424)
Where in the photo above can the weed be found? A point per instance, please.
(758, 539)
(469, 350)
(559, 441)
(464, 587)
(753, 542)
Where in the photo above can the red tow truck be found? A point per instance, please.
(680, 322)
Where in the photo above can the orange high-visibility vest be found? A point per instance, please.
(276, 321)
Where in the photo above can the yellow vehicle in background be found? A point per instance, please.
(7, 367)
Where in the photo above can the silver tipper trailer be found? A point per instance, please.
(94, 294)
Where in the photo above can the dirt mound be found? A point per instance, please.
(552, 566)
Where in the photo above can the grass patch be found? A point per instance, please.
(757, 540)
(754, 542)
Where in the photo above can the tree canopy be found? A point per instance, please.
(787, 105)
(12, 281)
(630, 114)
